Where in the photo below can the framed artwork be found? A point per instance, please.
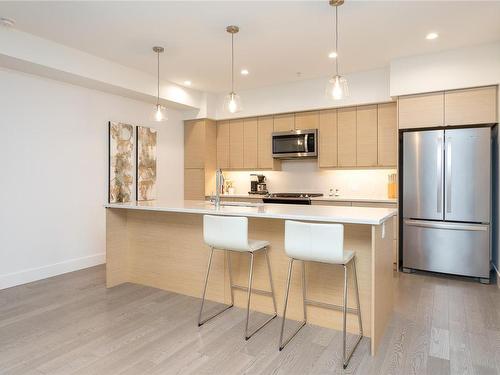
(146, 163)
(121, 162)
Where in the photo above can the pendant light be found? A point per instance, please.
(159, 112)
(232, 102)
(337, 88)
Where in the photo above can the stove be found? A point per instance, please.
(291, 198)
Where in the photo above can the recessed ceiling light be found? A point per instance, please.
(7, 22)
(332, 55)
(187, 83)
(431, 36)
(244, 72)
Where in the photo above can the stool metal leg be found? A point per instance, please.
(271, 283)
(200, 321)
(287, 291)
(250, 279)
(347, 357)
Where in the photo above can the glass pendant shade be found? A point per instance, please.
(337, 88)
(232, 103)
(159, 113)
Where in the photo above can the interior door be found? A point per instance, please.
(423, 175)
(468, 175)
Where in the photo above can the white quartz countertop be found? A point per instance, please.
(323, 198)
(332, 214)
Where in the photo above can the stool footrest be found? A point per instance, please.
(256, 291)
(330, 306)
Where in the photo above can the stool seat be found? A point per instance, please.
(254, 245)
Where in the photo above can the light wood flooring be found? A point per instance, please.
(72, 324)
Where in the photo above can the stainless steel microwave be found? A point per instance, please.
(295, 144)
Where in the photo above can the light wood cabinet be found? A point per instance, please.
(284, 123)
(346, 126)
(307, 120)
(265, 158)
(250, 144)
(236, 142)
(421, 111)
(194, 144)
(471, 106)
(223, 144)
(331, 203)
(366, 136)
(328, 138)
(387, 135)
(200, 154)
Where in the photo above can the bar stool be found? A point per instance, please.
(230, 234)
(322, 243)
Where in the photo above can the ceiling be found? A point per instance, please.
(279, 41)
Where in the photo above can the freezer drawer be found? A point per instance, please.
(460, 249)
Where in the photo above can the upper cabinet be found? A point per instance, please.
(328, 138)
(449, 108)
(283, 123)
(194, 144)
(223, 144)
(471, 106)
(421, 111)
(250, 145)
(265, 128)
(366, 136)
(387, 135)
(307, 120)
(346, 127)
(236, 144)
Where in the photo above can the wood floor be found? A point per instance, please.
(72, 324)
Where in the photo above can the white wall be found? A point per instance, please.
(365, 87)
(305, 176)
(53, 160)
(447, 70)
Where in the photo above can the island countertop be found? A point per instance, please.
(332, 214)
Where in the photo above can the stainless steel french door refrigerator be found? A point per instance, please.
(447, 201)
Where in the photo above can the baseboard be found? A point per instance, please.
(498, 275)
(39, 273)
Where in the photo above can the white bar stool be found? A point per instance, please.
(320, 243)
(231, 234)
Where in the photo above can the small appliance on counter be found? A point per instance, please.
(258, 184)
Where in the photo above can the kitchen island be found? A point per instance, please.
(160, 244)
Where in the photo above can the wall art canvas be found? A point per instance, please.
(121, 162)
(146, 163)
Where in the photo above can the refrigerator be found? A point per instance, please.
(446, 203)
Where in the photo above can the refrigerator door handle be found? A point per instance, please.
(439, 169)
(450, 226)
(448, 174)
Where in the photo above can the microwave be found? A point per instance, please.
(295, 144)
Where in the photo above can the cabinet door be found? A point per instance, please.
(264, 143)
(250, 143)
(223, 144)
(421, 111)
(194, 142)
(236, 142)
(346, 123)
(284, 123)
(307, 120)
(366, 136)
(387, 135)
(471, 106)
(328, 138)
(194, 183)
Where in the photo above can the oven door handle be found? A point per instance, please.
(306, 146)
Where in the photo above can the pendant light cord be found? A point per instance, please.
(232, 62)
(336, 40)
(158, 76)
